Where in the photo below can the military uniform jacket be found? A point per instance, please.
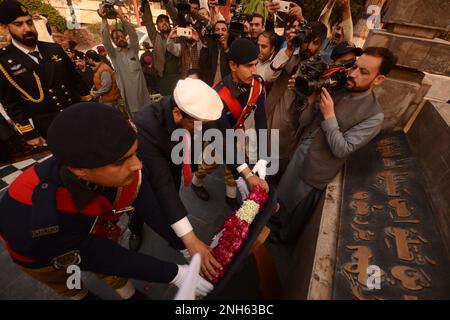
(41, 221)
(227, 120)
(40, 92)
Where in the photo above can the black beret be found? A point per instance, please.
(243, 51)
(90, 135)
(10, 10)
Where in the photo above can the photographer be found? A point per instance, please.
(165, 63)
(205, 13)
(187, 49)
(329, 132)
(273, 8)
(302, 44)
(125, 58)
(214, 64)
(338, 31)
(216, 15)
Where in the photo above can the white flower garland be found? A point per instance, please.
(248, 211)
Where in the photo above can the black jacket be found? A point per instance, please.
(155, 126)
(208, 62)
(227, 120)
(60, 82)
(41, 198)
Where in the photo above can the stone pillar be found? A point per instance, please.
(411, 31)
(411, 28)
(417, 31)
(429, 139)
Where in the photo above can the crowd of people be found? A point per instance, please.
(112, 145)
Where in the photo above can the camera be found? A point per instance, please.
(284, 6)
(184, 32)
(209, 30)
(238, 19)
(304, 35)
(184, 13)
(317, 74)
(108, 8)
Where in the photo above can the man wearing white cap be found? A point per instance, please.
(192, 100)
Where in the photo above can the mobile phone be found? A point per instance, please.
(284, 6)
(184, 32)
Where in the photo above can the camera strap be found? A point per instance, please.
(240, 113)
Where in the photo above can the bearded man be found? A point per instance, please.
(125, 58)
(37, 79)
(331, 128)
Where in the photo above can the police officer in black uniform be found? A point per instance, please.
(67, 211)
(37, 79)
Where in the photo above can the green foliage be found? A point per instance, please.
(254, 6)
(53, 16)
(312, 8)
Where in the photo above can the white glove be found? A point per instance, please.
(242, 186)
(260, 168)
(202, 287)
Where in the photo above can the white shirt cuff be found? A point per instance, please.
(182, 227)
(242, 167)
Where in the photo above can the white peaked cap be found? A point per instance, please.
(198, 100)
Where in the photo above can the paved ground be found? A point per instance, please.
(206, 217)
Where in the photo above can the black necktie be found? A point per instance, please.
(37, 55)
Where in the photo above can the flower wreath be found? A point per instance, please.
(231, 236)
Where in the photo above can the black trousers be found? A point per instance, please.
(292, 223)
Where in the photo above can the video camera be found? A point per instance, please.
(108, 7)
(184, 13)
(318, 74)
(209, 30)
(238, 19)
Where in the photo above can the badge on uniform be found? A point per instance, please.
(16, 67)
(56, 58)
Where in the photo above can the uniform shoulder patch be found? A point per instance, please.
(22, 188)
